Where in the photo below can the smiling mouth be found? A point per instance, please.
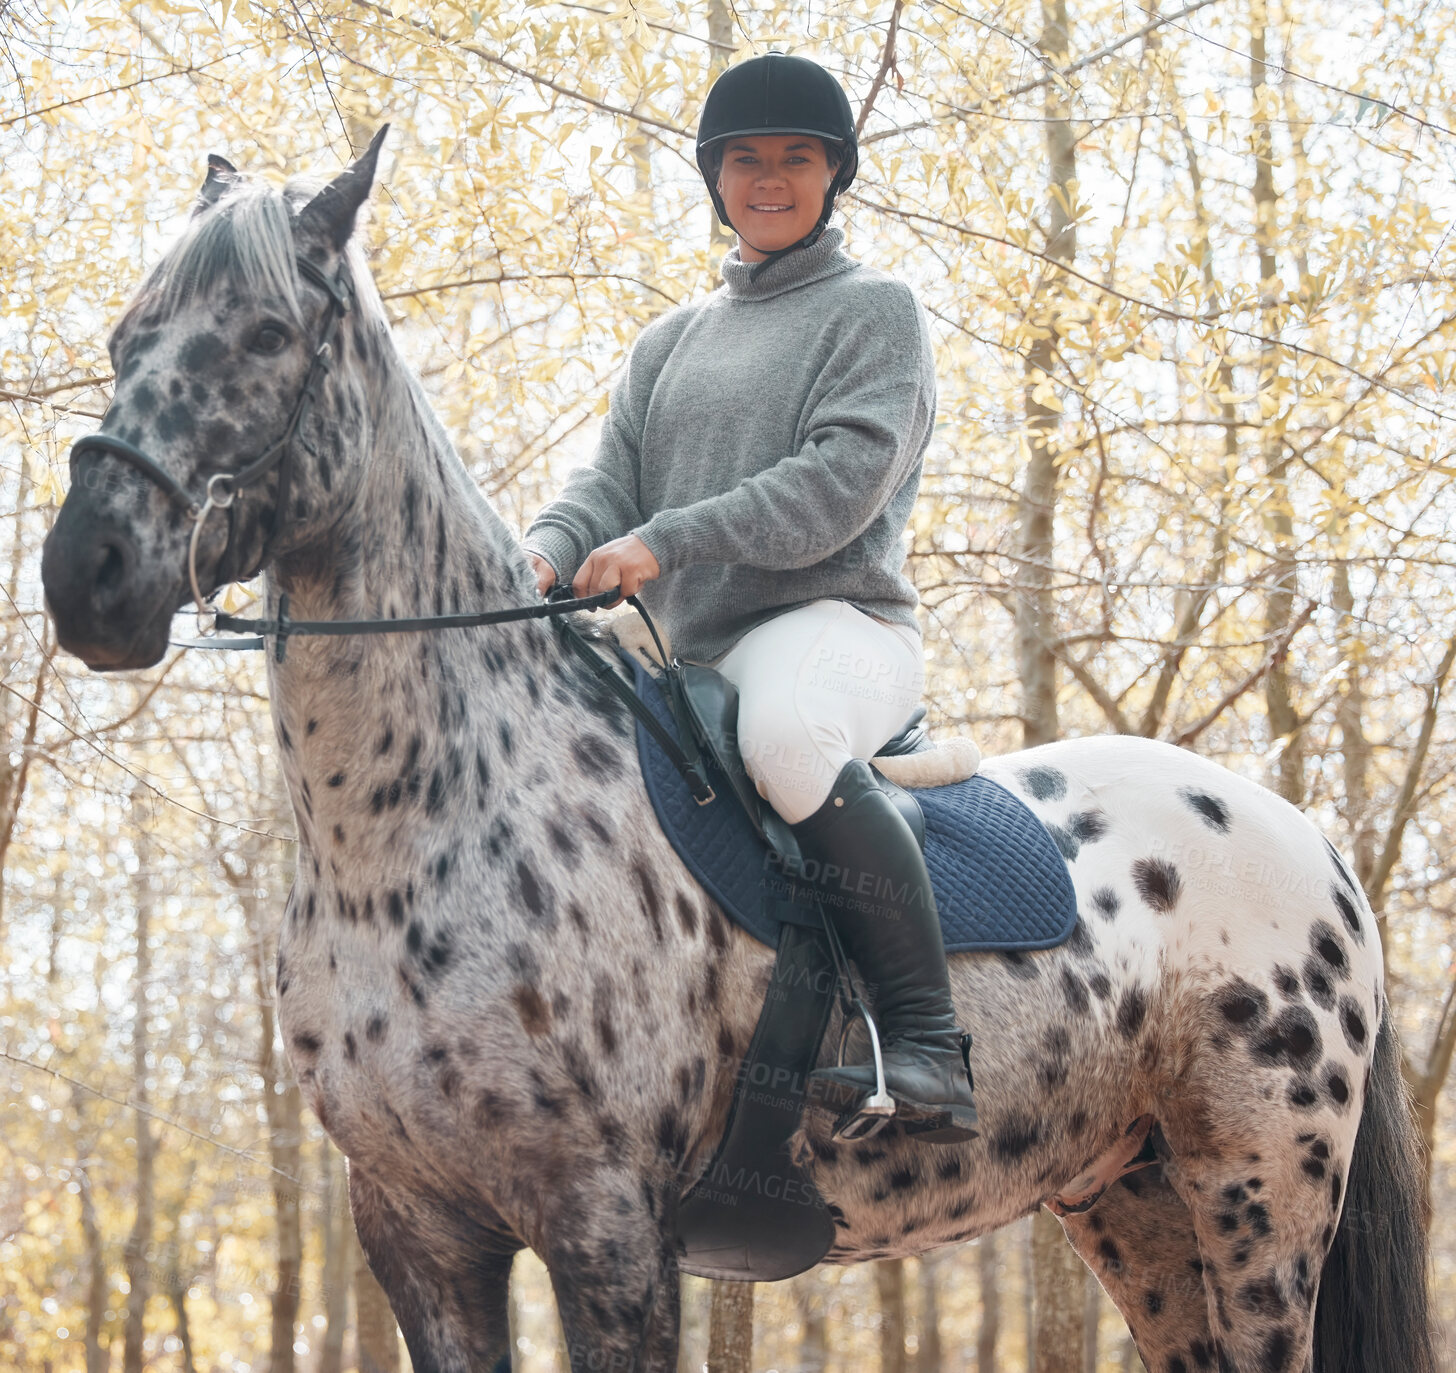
(770, 209)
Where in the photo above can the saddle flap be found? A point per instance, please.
(712, 707)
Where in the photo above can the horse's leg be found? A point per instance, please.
(613, 1264)
(447, 1277)
(1264, 1224)
(1139, 1240)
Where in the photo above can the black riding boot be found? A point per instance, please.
(876, 892)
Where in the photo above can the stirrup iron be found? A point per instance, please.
(872, 1114)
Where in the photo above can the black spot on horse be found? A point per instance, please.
(1101, 986)
(1087, 826)
(562, 840)
(1241, 1004)
(1158, 884)
(1302, 1095)
(1153, 1302)
(1075, 991)
(1287, 982)
(1132, 1010)
(1317, 979)
(1046, 784)
(175, 422)
(1018, 964)
(201, 352)
(1349, 915)
(1109, 1255)
(1052, 1071)
(1293, 1039)
(1210, 809)
(1015, 1138)
(375, 1027)
(307, 1043)
(1065, 841)
(651, 901)
(1330, 948)
(595, 756)
(1353, 1023)
(1338, 1086)
(686, 913)
(1277, 1351)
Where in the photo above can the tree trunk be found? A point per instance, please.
(178, 1293)
(1091, 1318)
(1286, 730)
(1354, 745)
(730, 1328)
(720, 35)
(337, 1230)
(283, 1105)
(1060, 1298)
(97, 1356)
(135, 1253)
(928, 1354)
(990, 1283)
(890, 1283)
(814, 1343)
(1028, 1292)
(1035, 627)
(373, 1320)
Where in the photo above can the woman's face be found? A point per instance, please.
(774, 188)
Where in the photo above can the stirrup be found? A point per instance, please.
(869, 1116)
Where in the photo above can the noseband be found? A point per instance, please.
(223, 487)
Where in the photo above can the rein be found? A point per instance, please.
(223, 487)
(682, 751)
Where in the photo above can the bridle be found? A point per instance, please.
(223, 487)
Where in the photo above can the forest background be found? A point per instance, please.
(1190, 274)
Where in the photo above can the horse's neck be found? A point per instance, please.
(382, 735)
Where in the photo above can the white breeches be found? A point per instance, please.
(818, 686)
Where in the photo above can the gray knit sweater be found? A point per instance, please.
(765, 443)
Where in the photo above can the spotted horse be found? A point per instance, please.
(514, 1010)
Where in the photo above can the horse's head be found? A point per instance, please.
(223, 409)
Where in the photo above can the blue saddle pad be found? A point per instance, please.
(1000, 882)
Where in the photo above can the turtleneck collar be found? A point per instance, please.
(820, 259)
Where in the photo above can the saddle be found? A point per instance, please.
(754, 1213)
(1000, 883)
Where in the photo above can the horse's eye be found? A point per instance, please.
(269, 339)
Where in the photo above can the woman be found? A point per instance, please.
(754, 479)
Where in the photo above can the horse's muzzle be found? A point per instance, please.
(106, 611)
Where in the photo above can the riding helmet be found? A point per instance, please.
(776, 94)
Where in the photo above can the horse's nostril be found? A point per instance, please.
(111, 567)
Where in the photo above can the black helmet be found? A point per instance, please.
(774, 94)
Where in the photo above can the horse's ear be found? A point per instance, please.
(222, 176)
(333, 210)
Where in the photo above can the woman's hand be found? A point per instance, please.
(545, 573)
(626, 563)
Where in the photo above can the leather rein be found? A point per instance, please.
(223, 487)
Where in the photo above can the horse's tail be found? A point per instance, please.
(1373, 1314)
